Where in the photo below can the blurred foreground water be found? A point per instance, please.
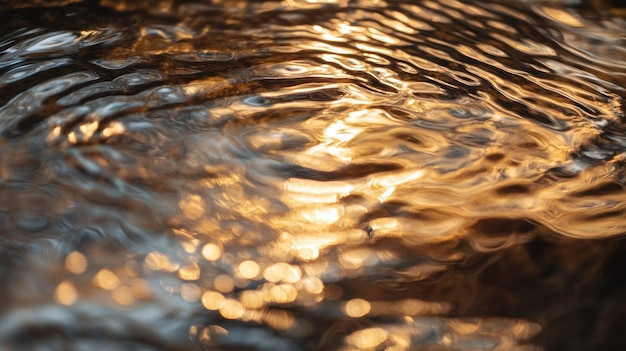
(312, 175)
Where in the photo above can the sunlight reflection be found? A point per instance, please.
(307, 252)
(192, 206)
(252, 299)
(333, 189)
(212, 300)
(157, 261)
(317, 175)
(114, 128)
(105, 279)
(367, 338)
(324, 215)
(313, 285)
(223, 283)
(279, 320)
(140, 288)
(189, 272)
(356, 308)
(211, 252)
(123, 295)
(248, 269)
(282, 272)
(190, 292)
(561, 15)
(436, 333)
(76, 262)
(231, 309)
(408, 307)
(280, 293)
(65, 293)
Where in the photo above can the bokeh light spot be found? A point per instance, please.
(211, 252)
(76, 262)
(66, 293)
(248, 269)
(357, 308)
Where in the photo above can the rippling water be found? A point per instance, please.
(304, 175)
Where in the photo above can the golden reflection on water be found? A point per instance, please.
(211, 252)
(123, 295)
(357, 308)
(189, 272)
(340, 181)
(105, 279)
(157, 261)
(65, 293)
(76, 262)
(367, 338)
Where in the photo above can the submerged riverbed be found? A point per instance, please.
(312, 175)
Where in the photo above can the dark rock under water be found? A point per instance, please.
(312, 175)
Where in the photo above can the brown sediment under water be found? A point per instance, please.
(312, 175)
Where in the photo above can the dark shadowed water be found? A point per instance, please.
(312, 175)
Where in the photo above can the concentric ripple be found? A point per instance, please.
(311, 175)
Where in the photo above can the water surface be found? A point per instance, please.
(301, 175)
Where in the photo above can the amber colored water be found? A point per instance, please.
(312, 175)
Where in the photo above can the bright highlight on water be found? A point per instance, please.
(312, 175)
